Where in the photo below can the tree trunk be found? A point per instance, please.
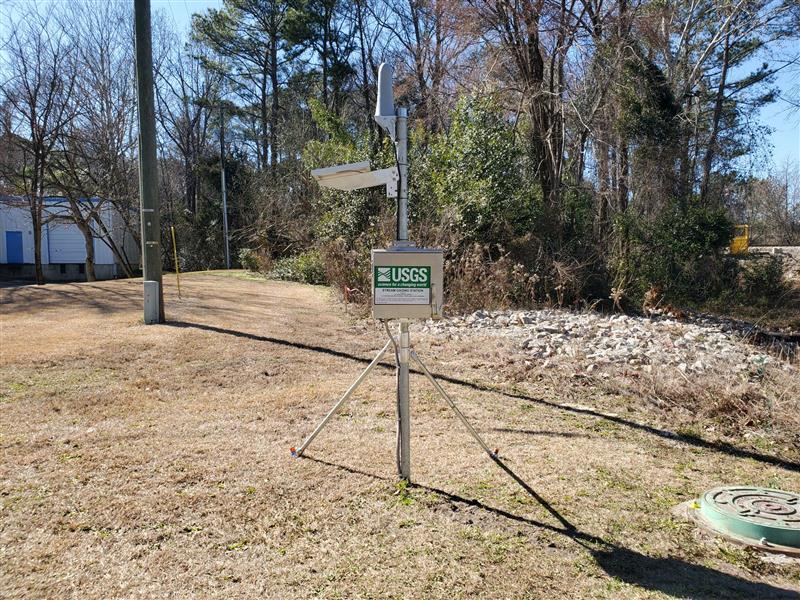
(437, 70)
(108, 239)
(712, 142)
(601, 158)
(264, 114)
(579, 159)
(364, 76)
(36, 202)
(419, 67)
(36, 218)
(88, 240)
(191, 185)
(273, 117)
(324, 56)
(622, 175)
(82, 221)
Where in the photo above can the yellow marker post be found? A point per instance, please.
(175, 254)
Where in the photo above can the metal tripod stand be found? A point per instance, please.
(403, 352)
(394, 121)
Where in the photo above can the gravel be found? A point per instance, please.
(593, 342)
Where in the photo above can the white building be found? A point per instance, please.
(63, 244)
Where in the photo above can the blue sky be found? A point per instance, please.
(780, 117)
(181, 10)
(784, 122)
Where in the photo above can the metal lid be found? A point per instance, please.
(759, 515)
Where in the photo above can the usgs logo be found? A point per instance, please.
(402, 275)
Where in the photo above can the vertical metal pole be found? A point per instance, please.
(148, 165)
(404, 423)
(175, 255)
(224, 191)
(402, 163)
(402, 402)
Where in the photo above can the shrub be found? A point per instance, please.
(250, 260)
(762, 280)
(307, 267)
(477, 280)
(285, 269)
(348, 266)
(338, 213)
(199, 236)
(311, 268)
(476, 170)
(681, 251)
(486, 276)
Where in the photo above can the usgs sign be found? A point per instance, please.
(406, 283)
(396, 277)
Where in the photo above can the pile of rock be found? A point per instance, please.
(590, 340)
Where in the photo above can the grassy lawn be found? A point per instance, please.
(153, 461)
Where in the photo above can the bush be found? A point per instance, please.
(339, 214)
(485, 276)
(285, 269)
(311, 268)
(474, 192)
(199, 236)
(475, 171)
(475, 279)
(251, 260)
(307, 267)
(682, 251)
(762, 280)
(348, 266)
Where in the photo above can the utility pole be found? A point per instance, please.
(224, 191)
(148, 167)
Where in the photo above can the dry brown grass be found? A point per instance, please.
(761, 409)
(153, 461)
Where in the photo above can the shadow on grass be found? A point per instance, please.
(566, 434)
(691, 440)
(669, 575)
(57, 294)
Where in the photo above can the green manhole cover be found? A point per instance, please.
(760, 515)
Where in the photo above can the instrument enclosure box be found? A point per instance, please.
(407, 283)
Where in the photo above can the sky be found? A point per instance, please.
(181, 10)
(784, 122)
(779, 116)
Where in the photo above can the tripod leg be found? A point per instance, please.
(344, 398)
(492, 455)
(452, 404)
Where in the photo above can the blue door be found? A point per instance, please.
(14, 247)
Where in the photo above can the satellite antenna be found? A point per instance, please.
(406, 280)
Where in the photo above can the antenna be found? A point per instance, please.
(385, 114)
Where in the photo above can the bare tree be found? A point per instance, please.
(93, 165)
(530, 41)
(39, 87)
(186, 94)
(433, 44)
